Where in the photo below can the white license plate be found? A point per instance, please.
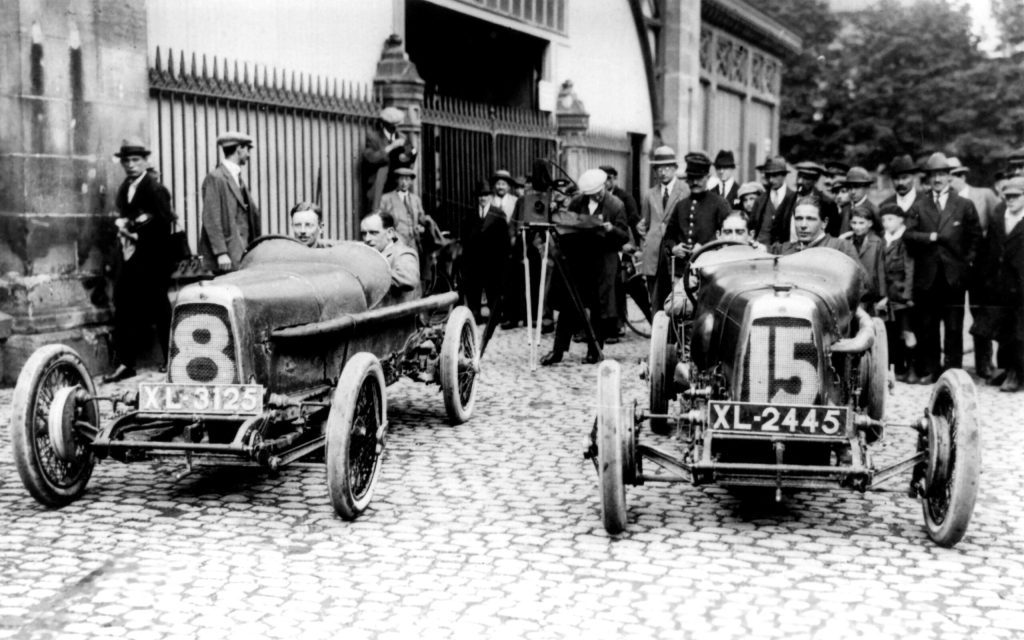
(779, 420)
(201, 399)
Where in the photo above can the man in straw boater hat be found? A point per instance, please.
(1002, 268)
(943, 236)
(590, 253)
(657, 202)
(230, 217)
(777, 201)
(904, 173)
(696, 218)
(386, 149)
(144, 232)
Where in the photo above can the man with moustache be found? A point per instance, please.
(943, 234)
(904, 174)
(777, 202)
(695, 220)
(658, 201)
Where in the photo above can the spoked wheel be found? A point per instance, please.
(356, 428)
(460, 361)
(954, 458)
(661, 367)
(638, 307)
(616, 446)
(53, 420)
(875, 376)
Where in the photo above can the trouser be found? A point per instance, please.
(514, 304)
(140, 302)
(982, 344)
(940, 304)
(1011, 356)
(658, 288)
(899, 353)
(569, 321)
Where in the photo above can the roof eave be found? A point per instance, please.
(742, 19)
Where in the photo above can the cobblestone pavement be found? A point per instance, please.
(492, 529)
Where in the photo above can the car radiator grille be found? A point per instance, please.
(781, 362)
(202, 346)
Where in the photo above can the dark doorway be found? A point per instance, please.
(471, 59)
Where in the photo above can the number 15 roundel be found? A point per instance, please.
(782, 365)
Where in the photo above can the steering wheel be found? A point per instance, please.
(714, 245)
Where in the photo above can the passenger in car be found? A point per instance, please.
(308, 225)
(378, 231)
(810, 232)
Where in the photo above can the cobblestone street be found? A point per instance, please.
(493, 529)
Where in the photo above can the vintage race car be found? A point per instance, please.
(286, 359)
(769, 374)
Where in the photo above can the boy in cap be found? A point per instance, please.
(231, 219)
(695, 220)
(386, 150)
(746, 198)
(869, 251)
(895, 306)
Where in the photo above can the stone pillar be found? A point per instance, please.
(73, 83)
(573, 120)
(682, 112)
(398, 84)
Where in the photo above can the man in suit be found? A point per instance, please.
(590, 254)
(657, 202)
(856, 184)
(904, 175)
(695, 220)
(385, 151)
(835, 174)
(478, 272)
(379, 231)
(144, 232)
(985, 202)
(632, 210)
(810, 233)
(725, 185)
(776, 203)
(308, 225)
(230, 217)
(943, 235)
(406, 208)
(807, 175)
(632, 219)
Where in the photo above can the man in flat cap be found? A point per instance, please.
(231, 219)
(807, 175)
(385, 151)
(725, 183)
(904, 173)
(776, 204)
(695, 219)
(405, 207)
(835, 173)
(1001, 262)
(143, 231)
(657, 202)
(943, 235)
(591, 255)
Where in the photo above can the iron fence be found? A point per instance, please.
(309, 133)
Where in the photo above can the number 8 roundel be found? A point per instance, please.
(200, 341)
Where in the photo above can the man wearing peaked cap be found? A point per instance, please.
(385, 151)
(143, 232)
(695, 220)
(943, 235)
(657, 202)
(726, 185)
(807, 175)
(591, 256)
(1001, 265)
(231, 219)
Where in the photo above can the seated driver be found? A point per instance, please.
(308, 225)
(378, 231)
(735, 228)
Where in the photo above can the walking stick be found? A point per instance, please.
(532, 354)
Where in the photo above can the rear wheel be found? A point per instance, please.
(460, 359)
(53, 420)
(638, 306)
(875, 376)
(954, 458)
(614, 456)
(661, 367)
(356, 427)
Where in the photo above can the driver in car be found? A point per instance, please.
(810, 232)
(378, 231)
(308, 225)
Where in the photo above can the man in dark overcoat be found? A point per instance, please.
(726, 184)
(904, 175)
(591, 254)
(777, 202)
(1001, 264)
(144, 232)
(385, 150)
(943, 234)
(696, 219)
(231, 219)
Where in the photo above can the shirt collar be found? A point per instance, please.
(671, 186)
(895, 235)
(232, 168)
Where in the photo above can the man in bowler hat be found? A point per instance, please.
(726, 185)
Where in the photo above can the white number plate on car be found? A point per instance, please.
(775, 419)
(196, 399)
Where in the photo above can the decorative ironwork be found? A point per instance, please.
(731, 59)
(765, 74)
(706, 39)
(726, 59)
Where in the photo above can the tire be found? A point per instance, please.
(612, 455)
(52, 478)
(949, 498)
(638, 310)
(356, 427)
(875, 374)
(460, 361)
(661, 367)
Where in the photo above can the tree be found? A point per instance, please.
(1009, 16)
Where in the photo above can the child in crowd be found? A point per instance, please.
(869, 250)
(899, 284)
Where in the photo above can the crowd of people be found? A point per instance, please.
(934, 247)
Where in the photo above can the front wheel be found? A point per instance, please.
(460, 361)
(661, 369)
(53, 420)
(615, 456)
(954, 458)
(356, 427)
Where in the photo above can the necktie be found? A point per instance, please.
(775, 198)
(937, 204)
(664, 198)
(245, 192)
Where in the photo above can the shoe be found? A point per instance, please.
(579, 337)
(121, 373)
(509, 324)
(927, 380)
(912, 378)
(547, 327)
(553, 357)
(1011, 384)
(903, 377)
(592, 357)
(612, 340)
(998, 377)
(984, 371)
